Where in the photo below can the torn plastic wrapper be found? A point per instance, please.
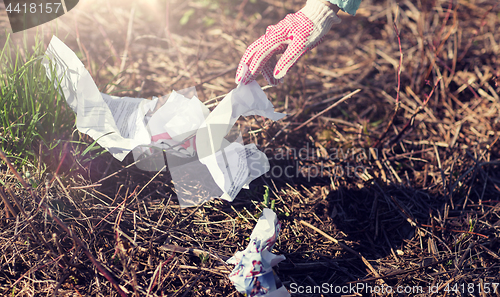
(204, 163)
(253, 274)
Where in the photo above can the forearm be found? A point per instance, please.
(349, 6)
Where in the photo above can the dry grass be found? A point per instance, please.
(424, 212)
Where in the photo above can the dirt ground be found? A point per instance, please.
(396, 188)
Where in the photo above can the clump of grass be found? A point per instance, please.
(33, 115)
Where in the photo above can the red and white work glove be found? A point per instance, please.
(293, 37)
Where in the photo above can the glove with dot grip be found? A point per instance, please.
(296, 34)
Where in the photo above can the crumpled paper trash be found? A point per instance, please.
(253, 274)
(203, 162)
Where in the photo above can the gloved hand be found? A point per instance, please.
(293, 36)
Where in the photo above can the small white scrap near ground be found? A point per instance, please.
(253, 274)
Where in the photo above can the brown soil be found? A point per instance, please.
(405, 175)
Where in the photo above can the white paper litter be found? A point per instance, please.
(116, 123)
(245, 100)
(253, 274)
(174, 122)
(202, 161)
(230, 166)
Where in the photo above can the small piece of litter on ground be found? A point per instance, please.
(253, 274)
